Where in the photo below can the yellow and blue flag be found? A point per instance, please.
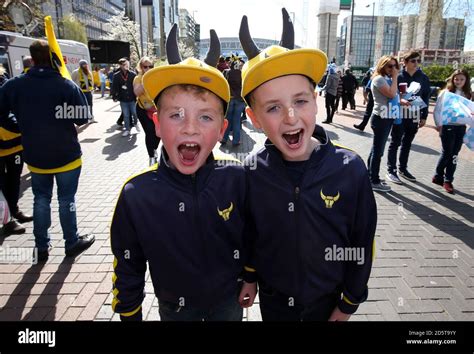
(57, 59)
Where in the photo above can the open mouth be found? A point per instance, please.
(294, 138)
(188, 153)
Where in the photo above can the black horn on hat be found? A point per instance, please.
(248, 45)
(288, 33)
(172, 51)
(214, 52)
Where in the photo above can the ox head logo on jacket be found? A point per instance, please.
(226, 212)
(330, 200)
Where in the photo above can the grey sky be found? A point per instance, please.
(265, 16)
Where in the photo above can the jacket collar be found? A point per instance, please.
(317, 156)
(42, 71)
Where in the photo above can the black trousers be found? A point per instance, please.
(402, 134)
(451, 139)
(275, 306)
(330, 106)
(10, 173)
(368, 111)
(151, 140)
(348, 97)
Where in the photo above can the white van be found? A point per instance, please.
(14, 46)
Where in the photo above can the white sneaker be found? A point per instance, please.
(152, 161)
(125, 133)
(393, 177)
(137, 127)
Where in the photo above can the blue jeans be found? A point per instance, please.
(227, 310)
(128, 109)
(451, 139)
(381, 128)
(42, 185)
(102, 88)
(236, 106)
(402, 134)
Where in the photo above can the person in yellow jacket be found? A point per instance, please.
(83, 78)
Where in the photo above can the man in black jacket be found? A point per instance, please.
(122, 91)
(237, 104)
(51, 148)
(412, 118)
(350, 85)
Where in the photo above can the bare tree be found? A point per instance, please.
(124, 29)
(185, 49)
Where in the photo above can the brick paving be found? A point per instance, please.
(424, 266)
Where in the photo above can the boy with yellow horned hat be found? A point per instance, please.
(311, 204)
(185, 216)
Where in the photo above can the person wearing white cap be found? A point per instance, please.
(82, 76)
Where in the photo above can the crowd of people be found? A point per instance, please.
(202, 223)
(396, 96)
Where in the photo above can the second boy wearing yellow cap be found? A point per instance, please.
(318, 195)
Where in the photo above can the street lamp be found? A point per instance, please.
(371, 34)
(20, 14)
(141, 29)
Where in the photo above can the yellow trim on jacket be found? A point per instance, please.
(69, 167)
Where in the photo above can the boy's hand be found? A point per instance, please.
(247, 294)
(338, 315)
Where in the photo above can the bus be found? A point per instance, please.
(14, 47)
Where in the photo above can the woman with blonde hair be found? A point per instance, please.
(145, 109)
(384, 89)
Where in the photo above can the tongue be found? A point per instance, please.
(292, 139)
(189, 153)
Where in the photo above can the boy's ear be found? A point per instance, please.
(224, 126)
(251, 114)
(157, 124)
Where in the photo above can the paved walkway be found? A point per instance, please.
(424, 267)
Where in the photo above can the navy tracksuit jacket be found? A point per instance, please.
(297, 228)
(189, 229)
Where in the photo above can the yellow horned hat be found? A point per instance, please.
(278, 60)
(189, 71)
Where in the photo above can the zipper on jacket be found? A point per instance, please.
(197, 223)
(298, 243)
